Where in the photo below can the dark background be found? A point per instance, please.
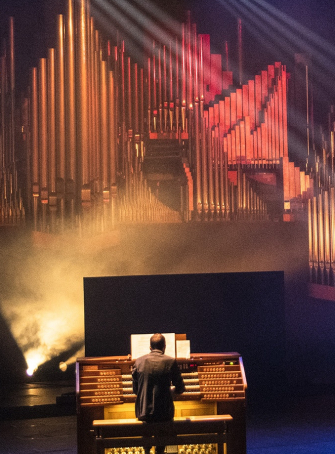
(262, 44)
(218, 312)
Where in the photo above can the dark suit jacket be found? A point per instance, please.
(153, 375)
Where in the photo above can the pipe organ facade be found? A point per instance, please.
(110, 136)
(168, 138)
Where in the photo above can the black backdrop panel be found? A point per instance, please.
(241, 312)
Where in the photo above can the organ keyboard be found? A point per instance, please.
(215, 384)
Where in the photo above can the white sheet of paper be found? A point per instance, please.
(183, 348)
(140, 344)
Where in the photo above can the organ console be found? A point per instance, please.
(215, 385)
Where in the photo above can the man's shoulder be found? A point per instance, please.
(169, 358)
(153, 355)
(142, 358)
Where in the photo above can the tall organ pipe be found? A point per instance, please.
(60, 103)
(332, 230)
(12, 90)
(112, 129)
(51, 125)
(240, 52)
(183, 80)
(136, 99)
(221, 168)
(93, 77)
(34, 139)
(104, 123)
(326, 235)
(70, 108)
(215, 145)
(204, 166)
(198, 157)
(95, 111)
(82, 98)
(321, 251)
(43, 122)
(3, 112)
(210, 170)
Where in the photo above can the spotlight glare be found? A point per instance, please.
(62, 366)
(30, 371)
(34, 359)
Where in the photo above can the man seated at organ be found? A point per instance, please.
(152, 376)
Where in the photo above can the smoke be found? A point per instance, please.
(42, 297)
(41, 290)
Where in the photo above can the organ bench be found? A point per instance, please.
(180, 431)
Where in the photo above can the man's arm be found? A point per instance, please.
(177, 379)
(135, 380)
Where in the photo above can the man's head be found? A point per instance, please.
(157, 342)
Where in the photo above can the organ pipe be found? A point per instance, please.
(70, 104)
(198, 157)
(104, 124)
(332, 231)
(310, 239)
(51, 122)
(12, 89)
(326, 236)
(34, 131)
(3, 113)
(60, 103)
(43, 133)
(240, 52)
(321, 252)
(112, 129)
(82, 99)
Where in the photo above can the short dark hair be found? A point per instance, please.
(157, 341)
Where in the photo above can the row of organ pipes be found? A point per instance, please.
(11, 207)
(321, 210)
(91, 112)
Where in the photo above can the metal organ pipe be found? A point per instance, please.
(160, 99)
(51, 129)
(60, 106)
(216, 170)
(82, 101)
(3, 113)
(112, 131)
(183, 79)
(104, 128)
(210, 171)
(332, 232)
(321, 252)
(34, 139)
(326, 236)
(43, 122)
(149, 93)
(12, 89)
(204, 167)
(129, 94)
(142, 94)
(221, 174)
(240, 52)
(137, 97)
(70, 109)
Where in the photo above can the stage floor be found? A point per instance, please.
(300, 424)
